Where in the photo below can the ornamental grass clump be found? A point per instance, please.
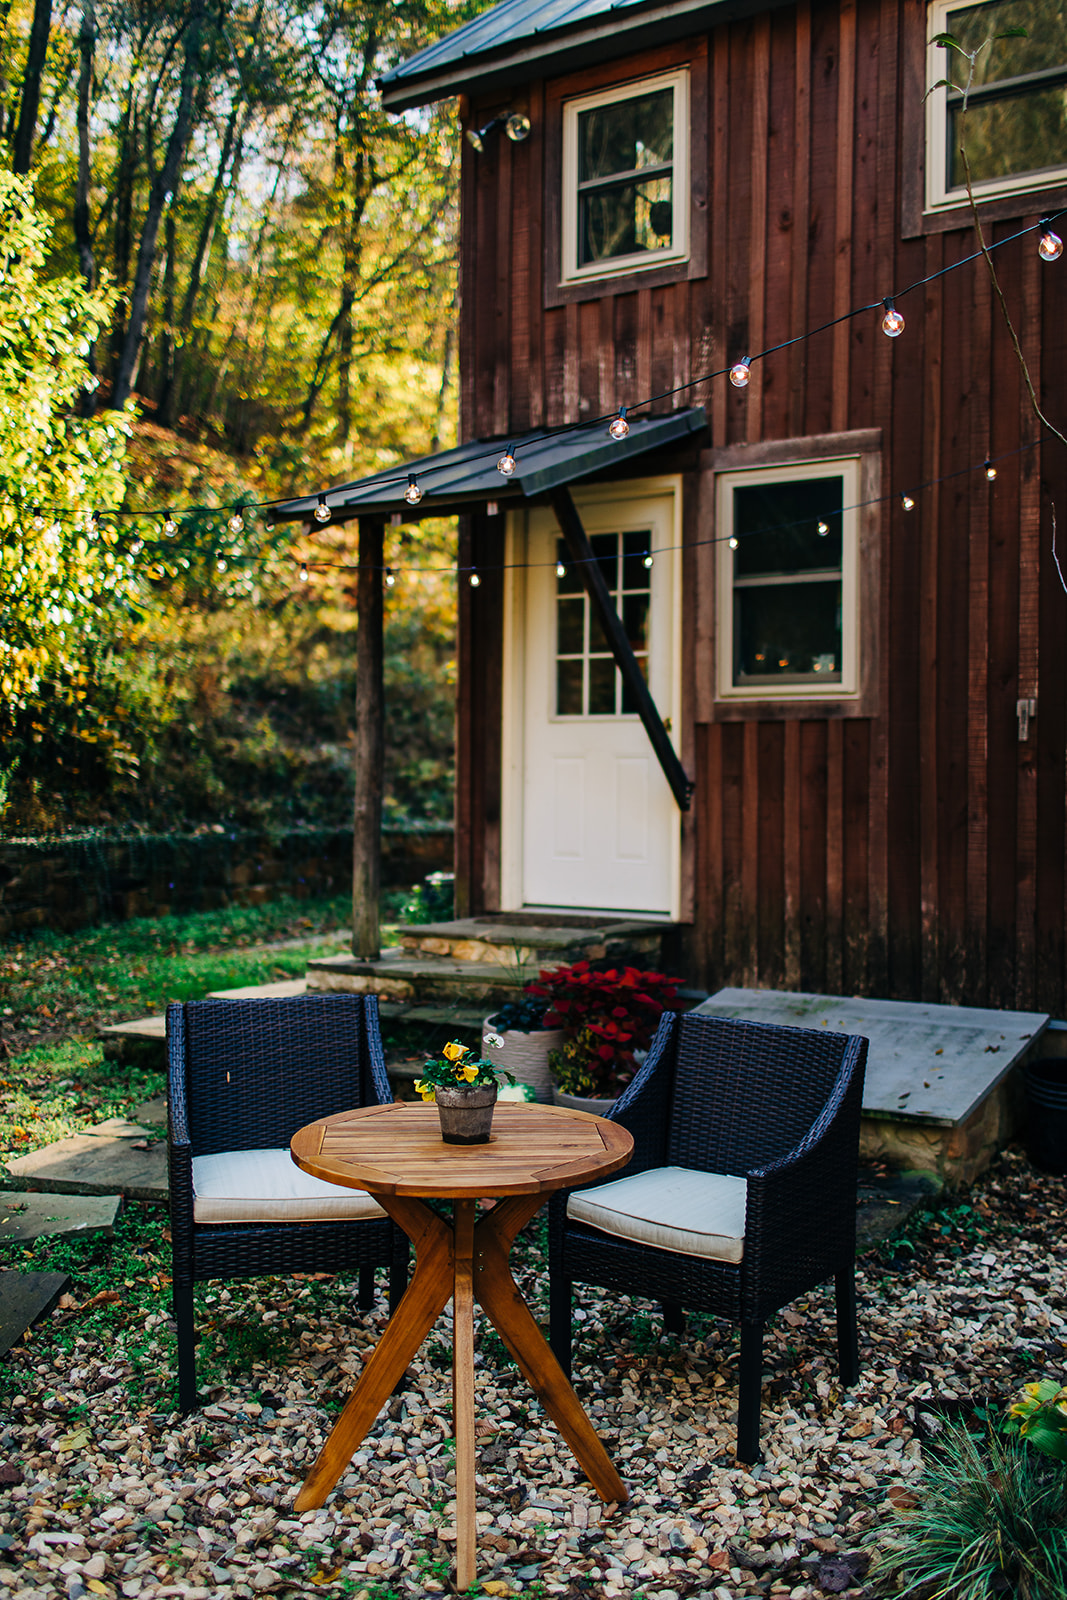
(990, 1520)
(457, 1067)
(610, 1018)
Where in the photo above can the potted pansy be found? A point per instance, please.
(608, 1019)
(465, 1088)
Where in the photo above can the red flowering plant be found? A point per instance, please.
(609, 1018)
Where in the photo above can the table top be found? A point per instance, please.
(398, 1150)
(927, 1063)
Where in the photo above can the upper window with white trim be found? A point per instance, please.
(788, 581)
(626, 178)
(1009, 111)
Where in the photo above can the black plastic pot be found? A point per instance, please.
(1046, 1088)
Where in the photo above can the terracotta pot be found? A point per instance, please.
(525, 1055)
(580, 1102)
(466, 1115)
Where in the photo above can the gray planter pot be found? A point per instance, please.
(525, 1055)
(466, 1115)
(578, 1102)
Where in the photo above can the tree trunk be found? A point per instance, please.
(83, 238)
(31, 86)
(370, 743)
(165, 382)
(126, 168)
(162, 192)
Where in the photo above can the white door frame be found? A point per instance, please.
(514, 676)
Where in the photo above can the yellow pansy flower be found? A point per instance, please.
(424, 1088)
(469, 1073)
(455, 1051)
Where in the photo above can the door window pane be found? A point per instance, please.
(587, 680)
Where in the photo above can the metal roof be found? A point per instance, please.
(522, 39)
(456, 480)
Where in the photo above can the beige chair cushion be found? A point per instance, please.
(671, 1208)
(268, 1186)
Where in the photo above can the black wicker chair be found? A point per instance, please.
(776, 1112)
(243, 1076)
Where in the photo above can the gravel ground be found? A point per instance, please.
(106, 1494)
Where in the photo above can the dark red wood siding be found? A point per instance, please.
(918, 853)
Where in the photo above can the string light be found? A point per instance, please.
(739, 373)
(892, 322)
(303, 572)
(990, 471)
(1050, 245)
(220, 562)
(618, 427)
(136, 546)
(390, 577)
(475, 580)
(236, 525)
(322, 511)
(492, 508)
(824, 529)
(170, 527)
(907, 502)
(506, 464)
(413, 493)
(648, 559)
(38, 520)
(561, 571)
(733, 544)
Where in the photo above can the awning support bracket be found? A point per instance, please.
(600, 599)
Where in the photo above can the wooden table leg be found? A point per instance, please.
(424, 1299)
(499, 1296)
(463, 1394)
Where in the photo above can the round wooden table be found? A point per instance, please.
(397, 1154)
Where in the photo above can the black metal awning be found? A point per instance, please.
(461, 479)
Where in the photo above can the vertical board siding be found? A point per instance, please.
(921, 852)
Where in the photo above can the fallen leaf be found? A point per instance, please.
(76, 1440)
(901, 1499)
(95, 1586)
(494, 1586)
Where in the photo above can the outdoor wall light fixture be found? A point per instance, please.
(516, 124)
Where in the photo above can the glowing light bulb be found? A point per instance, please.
(475, 581)
(38, 520)
(322, 511)
(824, 529)
(907, 502)
(648, 559)
(413, 494)
(390, 577)
(136, 546)
(561, 571)
(221, 564)
(739, 372)
(236, 525)
(170, 527)
(1050, 245)
(506, 465)
(303, 572)
(892, 322)
(733, 544)
(990, 471)
(492, 508)
(618, 427)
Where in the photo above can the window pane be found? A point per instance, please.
(1045, 44)
(635, 547)
(777, 527)
(629, 705)
(1021, 133)
(570, 616)
(635, 620)
(568, 688)
(788, 633)
(599, 643)
(625, 219)
(626, 137)
(606, 549)
(602, 687)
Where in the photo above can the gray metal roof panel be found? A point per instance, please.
(454, 479)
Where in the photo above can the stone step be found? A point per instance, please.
(30, 1216)
(427, 980)
(26, 1297)
(527, 941)
(115, 1155)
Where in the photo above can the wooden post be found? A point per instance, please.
(370, 744)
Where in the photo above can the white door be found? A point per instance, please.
(599, 826)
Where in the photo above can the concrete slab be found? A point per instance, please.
(926, 1063)
(885, 1201)
(31, 1216)
(25, 1297)
(98, 1161)
(139, 1028)
(263, 991)
(152, 1111)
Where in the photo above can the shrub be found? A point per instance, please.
(609, 1016)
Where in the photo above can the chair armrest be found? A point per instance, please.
(179, 1147)
(643, 1108)
(800, 1223)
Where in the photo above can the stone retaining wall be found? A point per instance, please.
(72, 881)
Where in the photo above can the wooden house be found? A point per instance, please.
(847, 773)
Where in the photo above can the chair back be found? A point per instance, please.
(746, 1093)
(251, 1072)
